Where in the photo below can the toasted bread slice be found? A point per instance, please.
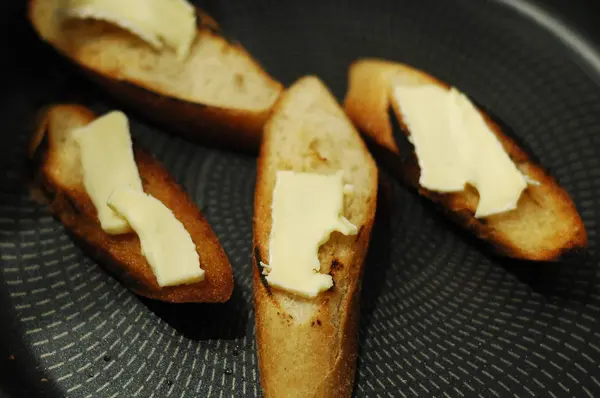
(56, 167)
(218, 95)
(545, 224)
(308, 347)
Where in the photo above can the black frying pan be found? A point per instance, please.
(441, 317)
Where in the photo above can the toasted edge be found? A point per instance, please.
(273, 325)
(235, 129)
(121, 255)
(367, 103)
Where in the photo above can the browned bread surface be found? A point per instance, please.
(545, 224)
(57, 169)
(218, 95)
(308, 347)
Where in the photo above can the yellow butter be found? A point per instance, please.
(107, 163)
(165, 242)
(306, 209)
(158, 22)
(454, 146)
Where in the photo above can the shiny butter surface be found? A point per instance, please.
(306, 209)
(164, 241)
(454, 147)
(107, 163)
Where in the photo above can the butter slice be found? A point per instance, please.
(157, 22)
(107, 164)
(165, 242)
(306, 209)
(455, 146)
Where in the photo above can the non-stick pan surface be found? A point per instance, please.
(440, 315)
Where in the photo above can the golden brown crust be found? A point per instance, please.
(367, 103)
(311, 358)
(121, 255)
(236, 129)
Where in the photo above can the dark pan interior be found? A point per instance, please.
(441, 317)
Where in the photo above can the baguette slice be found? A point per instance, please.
(308, 347)
(218, 95)
(55, 161)
(545, 224)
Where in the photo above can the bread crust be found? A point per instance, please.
(310, 358)
(231, 128)
(367, 104)
(121, 255)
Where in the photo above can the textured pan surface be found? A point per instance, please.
(440, 316)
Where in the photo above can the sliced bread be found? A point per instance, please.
(56, 169)
(307, 347)
(544, 226)
(217, 95)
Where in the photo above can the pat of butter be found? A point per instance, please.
(165, 242)
(157, 22)
(107, 164)
(455, 146)
(306, 209)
